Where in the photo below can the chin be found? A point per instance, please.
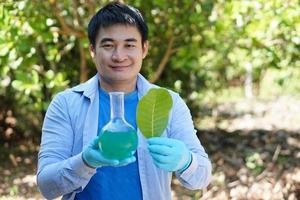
(122, 78)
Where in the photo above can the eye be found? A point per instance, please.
(130, 46)
(107, 46)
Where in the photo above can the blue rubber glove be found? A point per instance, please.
(169, 154)
(92, 156)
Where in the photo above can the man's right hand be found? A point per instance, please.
(92, 156)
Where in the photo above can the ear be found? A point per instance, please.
(145, 48)
(92, 51)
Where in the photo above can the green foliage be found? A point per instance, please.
(207, 46)
(255, 163)
(153, 112)
(30, 56)
(280, 82)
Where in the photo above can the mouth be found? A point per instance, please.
(119, 67)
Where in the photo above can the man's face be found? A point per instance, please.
(118, 54)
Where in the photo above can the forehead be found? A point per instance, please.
(119, 32)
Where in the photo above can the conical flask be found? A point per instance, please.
(118, 139)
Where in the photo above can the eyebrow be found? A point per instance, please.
(111, 40)
(131, 40)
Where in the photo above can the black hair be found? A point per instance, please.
(116, 13)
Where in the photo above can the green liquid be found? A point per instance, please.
(118, 145)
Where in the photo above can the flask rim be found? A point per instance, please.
(117, 93)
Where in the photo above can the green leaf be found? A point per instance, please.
(153, 112)
(4, 49)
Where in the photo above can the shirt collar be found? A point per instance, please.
(90, 87)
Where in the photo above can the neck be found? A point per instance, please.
(121, 86)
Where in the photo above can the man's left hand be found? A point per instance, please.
(169, 154)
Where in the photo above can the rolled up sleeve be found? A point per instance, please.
(59, 172)
(198, 174)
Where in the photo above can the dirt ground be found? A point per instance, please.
(254, 147)
(255, 150)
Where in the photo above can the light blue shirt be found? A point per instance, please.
(71, 123)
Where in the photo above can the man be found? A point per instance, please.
(70, 162)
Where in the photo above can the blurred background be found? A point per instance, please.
(236, 64)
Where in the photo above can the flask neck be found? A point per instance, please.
(116, 105)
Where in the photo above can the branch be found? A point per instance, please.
(65, 28)
(66, 32)
(91, 7)
(164, 61)
(174, 50)
(75, 13)
(83, 65)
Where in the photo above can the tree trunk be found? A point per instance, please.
(164, 61)
(83, 65)
(248, 81)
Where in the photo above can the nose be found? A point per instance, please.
(118, 55)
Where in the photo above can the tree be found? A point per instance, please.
(195, 46)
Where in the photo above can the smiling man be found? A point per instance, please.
(118, 54)
(70, 163)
